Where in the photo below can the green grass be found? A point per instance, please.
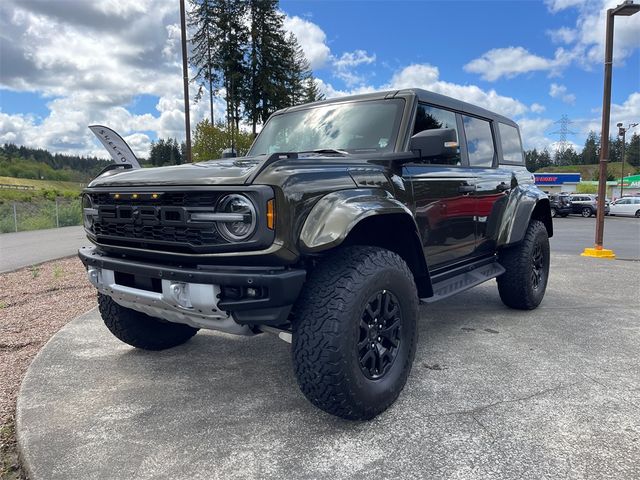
(43, 184)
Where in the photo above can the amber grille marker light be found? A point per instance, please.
(271, 215)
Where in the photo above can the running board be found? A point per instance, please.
(464, 281)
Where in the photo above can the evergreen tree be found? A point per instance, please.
(165, 152)
(567, 156)
(201, 18)
(632, 152)
(311, 92)
(544, 160)
(615, 149)
(531, 160)
(591, 151)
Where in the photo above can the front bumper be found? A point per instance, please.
(196, 296)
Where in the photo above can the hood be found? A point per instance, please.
(227, 171)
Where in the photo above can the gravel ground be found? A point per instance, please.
(34, 303)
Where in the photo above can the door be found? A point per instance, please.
(494, 181)
(442, 194)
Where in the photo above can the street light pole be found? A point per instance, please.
(621, 133)
(627, 8)
(185, 79)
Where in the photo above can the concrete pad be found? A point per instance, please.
(494, 393)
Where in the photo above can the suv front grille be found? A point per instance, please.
(160, 223)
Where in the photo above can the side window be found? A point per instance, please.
(511, 146)
(479, 141)
(431, 118)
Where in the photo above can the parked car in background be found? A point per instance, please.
(626, 206)
(586, 205)
(560, 205)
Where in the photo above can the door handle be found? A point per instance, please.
(466, 188)
(502, 187)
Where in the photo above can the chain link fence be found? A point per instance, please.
(38, 215)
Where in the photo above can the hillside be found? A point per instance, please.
(42, 184)
(588, 172)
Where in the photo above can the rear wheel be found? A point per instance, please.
(355, 332)
(586, 212)
(524, 282)
(140, 330)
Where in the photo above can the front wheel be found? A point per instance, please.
(637, 213)
(586, 212)
(554, 212)
(524, 282)
(355, 332)
(140, 330)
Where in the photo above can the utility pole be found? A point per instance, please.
(185, 78)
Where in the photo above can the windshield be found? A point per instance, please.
(357, 127)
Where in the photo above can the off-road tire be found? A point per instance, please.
(586, 212)
(517, 286)
(327, 331)
(140, 330)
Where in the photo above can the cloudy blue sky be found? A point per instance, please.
(66, 64)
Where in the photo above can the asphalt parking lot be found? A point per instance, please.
(494, 393)
(621, 234)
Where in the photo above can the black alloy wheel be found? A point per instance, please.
(537, 266)
(379, 338)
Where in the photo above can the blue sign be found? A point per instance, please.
(556, 178)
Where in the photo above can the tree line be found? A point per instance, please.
(37, 163)
(241, 50)
(537, 160)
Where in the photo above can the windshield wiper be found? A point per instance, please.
(326, 150)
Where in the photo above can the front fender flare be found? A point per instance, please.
(337, 213)
(523, 201)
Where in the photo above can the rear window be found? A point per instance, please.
(511, 145)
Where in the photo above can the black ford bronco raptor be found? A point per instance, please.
(344, 215)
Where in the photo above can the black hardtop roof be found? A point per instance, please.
(423, 96)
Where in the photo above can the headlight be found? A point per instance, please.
(242, 217)
(88, 212)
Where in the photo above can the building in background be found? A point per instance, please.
(630, 186)
(557, 182)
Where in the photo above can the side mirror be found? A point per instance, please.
(441, 143)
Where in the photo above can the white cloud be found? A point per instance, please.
(588, 41)
(512, 61)
(558, 5)
(626, 113)
(560, 92)
(537, 108)
(563, 35)
(353, 59)
(345, 66)
(428, 77)
(93, 59)
(311, 38)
